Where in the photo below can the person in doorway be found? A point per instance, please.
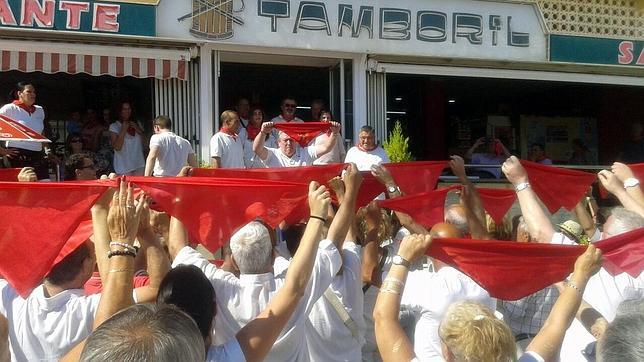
(366, 153)
(538, 154)
(494, 154)
(580, 154)
(253, 128)
(24, 110)
(633, 149)
(243, 108)
(169, 153)
(288, 107)
(227, 146)
(92, 131)
(317, 106)
(338, 152)
(126, 138)
(74, 124)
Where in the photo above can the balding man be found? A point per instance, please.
(456, 215)
(429, 295)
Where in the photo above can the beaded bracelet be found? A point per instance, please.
(123, 245)
(112, 253)
(576, 288)
(317, 217)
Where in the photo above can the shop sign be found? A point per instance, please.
(458, 28)
(131, 17)
(577, 49)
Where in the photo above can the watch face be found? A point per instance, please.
(397, 259)
(391, 189)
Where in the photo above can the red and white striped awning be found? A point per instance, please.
(95, 60)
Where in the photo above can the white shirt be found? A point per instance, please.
(229, 149)
(35, 121)
(303, 156)
(45, 329)
(280, 119)
(229, 352)
(130, 157)
(365, 159)
(241, 300)
(326, 335)
(337, 153)
(429, 295)
(173, 153)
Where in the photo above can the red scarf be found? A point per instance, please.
(131, 130)
(427, 208)
(229, 132)
(29, 109)
(558, 187)
(252, 131)
(38, 220)
(9, 174)
(510, 270)
(364, 149)
(303, 133)
(416, 177)
(497, 202)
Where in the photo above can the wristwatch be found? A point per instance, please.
(399, 260)
(631, 182)
(392, 189)
(522, 186)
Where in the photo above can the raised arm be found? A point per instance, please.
(470, 198)
(329, 143)
(631, 184)
(585, 219)
(615, 187)
(476, 145)
(257, 337)
(384, 177)
(101, 236)
(258, 144)
(539, 224)
(371, 251)
(393, 343)
(149, 162)
(344, 217)
(548, 341)
(118, 139)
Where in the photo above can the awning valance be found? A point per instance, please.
(73, 58)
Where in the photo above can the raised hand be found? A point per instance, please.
(610, 181)
(382, 175)
(622, 171)
(588, 263)
(27, 174)
(352, 178)
(458, 166)
(319, 200)
(414, 246)
(123, 217)
(514, 171)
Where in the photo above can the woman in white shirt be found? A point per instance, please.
(125, 135)
(24, 110)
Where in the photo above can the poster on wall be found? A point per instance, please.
(567, 140)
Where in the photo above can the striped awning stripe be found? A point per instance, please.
(116, 66)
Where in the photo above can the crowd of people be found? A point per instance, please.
(342, 284)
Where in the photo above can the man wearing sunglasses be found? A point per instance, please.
(80, 166)
(288, 107)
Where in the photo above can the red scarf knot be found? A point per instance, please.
(229, 132)
(29, 109)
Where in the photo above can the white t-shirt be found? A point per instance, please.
(365, 159)
(35, 121)
(229, 149)
(173, 153)
(429, 295)
(240, 300)
(130, 157)
(326, 335)
(229, 352)
(337, 153)
(45, 329)
(303, 156)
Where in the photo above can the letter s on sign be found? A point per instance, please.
(625, 52)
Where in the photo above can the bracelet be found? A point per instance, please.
(120, 270)
(126, 246)
(318, 217)
(112, 253)
(394, 281)
(391, 288)
(573, 286)
(522, 186)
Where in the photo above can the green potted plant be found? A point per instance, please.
(397, 145)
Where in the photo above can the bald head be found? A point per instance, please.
(455, 215)
(445, 230)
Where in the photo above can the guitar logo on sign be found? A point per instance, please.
(213, 19)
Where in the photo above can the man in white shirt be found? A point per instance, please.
(227, 145)
(366, 153)
(288, 107)
(429, 295)
(243, 108)
(168, 152)
(288, 154)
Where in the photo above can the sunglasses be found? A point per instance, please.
(75, 141)
(289, 105)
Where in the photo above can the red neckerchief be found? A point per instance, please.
(29, 109)
(252, 131)
(229, 132)
(130, 130)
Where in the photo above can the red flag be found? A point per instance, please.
(427, 208)
(9, 174)
(303, 132)
(497, 202)
(558, 187)
(78, 237)
(369, 189)
(416, 177)
(507, 270)
(38, 219)
(212, 208)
